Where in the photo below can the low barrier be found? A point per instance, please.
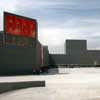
(9, 86)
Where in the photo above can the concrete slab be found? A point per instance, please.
(9, 86)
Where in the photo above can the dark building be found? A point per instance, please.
(74, 47)
(18, 58)
(76, 54)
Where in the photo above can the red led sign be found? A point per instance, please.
(21, 26)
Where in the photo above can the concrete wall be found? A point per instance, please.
(17, 60)
(56, 59)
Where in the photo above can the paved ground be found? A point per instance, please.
(70, 84)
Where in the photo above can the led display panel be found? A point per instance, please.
(19, 25)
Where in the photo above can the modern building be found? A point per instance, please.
(76, 54)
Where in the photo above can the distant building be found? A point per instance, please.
(76, 54)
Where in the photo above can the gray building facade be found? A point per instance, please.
(75, 47)
(76, 54)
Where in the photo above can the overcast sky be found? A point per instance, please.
(59, 20)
